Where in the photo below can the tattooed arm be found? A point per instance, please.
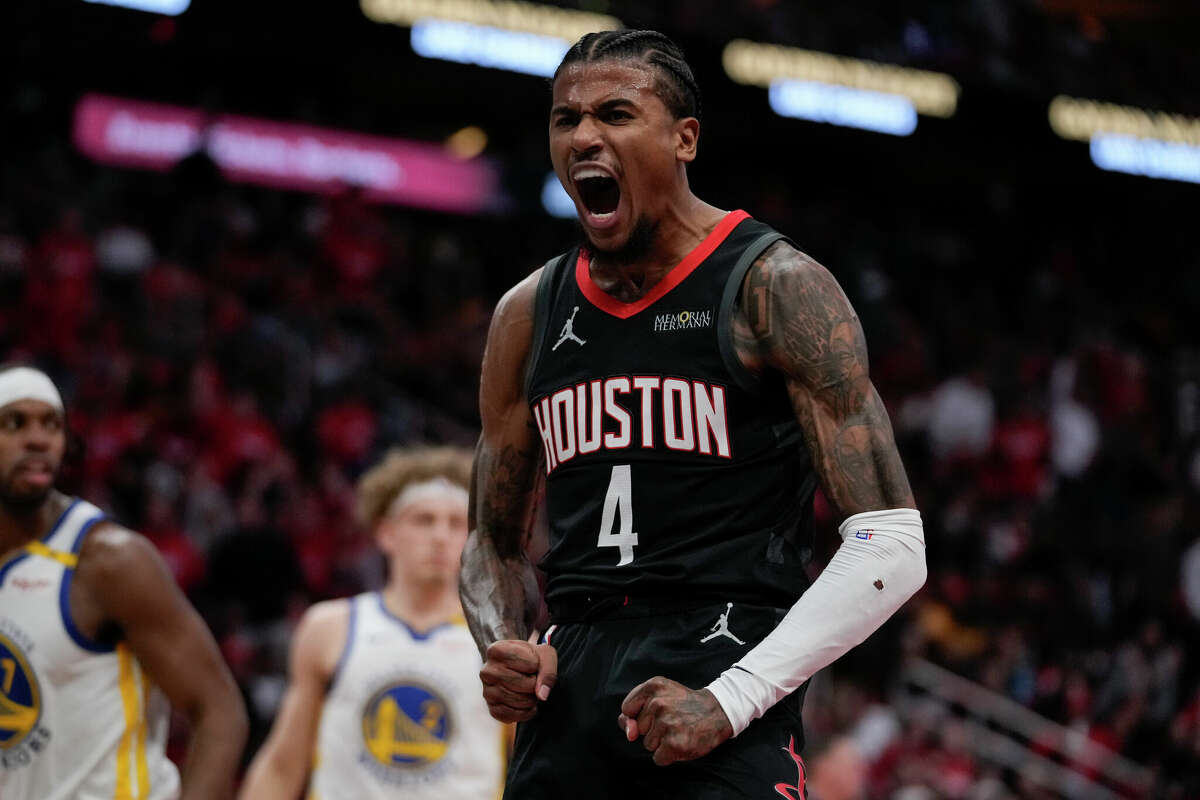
(497, 584)
(794, 318)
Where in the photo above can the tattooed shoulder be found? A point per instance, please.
(794, 317)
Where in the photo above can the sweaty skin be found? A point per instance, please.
(791, 318)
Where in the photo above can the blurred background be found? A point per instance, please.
(258, 244)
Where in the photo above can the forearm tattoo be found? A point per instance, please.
(498, 585)
(794, 318)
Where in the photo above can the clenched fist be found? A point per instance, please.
(675, 722)
(516, 674)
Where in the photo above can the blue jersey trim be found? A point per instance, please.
(64, 597)
(61, 519)
(12, 562)
(345, 656)
(420, 637)
(17, 559)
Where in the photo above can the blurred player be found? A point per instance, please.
(96, 640)
(682, 381)
(383, 698)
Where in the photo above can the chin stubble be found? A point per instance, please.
(23, 503)
(641, 238)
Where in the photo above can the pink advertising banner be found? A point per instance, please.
(133, 133)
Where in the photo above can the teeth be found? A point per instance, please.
(589, 172)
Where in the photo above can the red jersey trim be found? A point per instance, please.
(607, 303)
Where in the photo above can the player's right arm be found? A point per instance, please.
(497, 584)
(282, 763)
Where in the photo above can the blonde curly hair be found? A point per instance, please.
(380, 485)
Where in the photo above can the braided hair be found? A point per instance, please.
(676, 86)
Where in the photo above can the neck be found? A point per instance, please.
(682, 225)
(422, 606)
(21, 525)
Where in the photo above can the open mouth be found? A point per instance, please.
(600, 195)
(38, 474)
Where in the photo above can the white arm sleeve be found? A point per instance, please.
(879, 565)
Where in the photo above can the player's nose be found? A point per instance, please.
(441, 532)
(586, 135)
(37, 438)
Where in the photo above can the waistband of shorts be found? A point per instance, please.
(586, 608)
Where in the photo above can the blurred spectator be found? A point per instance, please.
(839, 772)
(961, 419)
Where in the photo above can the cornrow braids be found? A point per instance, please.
(677, 86)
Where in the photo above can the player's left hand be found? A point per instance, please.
(676, 723)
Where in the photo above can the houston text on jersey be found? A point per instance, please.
(643, 411)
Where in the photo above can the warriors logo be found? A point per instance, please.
(407, 726)
(20, 698)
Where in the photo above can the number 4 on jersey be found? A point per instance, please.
(618, 501)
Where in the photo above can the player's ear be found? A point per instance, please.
(687, 138)
(383, 536)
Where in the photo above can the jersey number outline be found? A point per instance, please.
(618, 503)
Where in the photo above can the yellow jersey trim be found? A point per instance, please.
(127, 682)
(69, 560)
(143, 772)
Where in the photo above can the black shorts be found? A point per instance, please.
(574, 750)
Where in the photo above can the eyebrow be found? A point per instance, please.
(607, 105)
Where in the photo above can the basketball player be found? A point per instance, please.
(96, 640)
(681, 381)
(383, 697)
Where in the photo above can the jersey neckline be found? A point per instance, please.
(622, 310)
(457, 620)
(21, 553)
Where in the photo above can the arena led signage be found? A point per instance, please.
(1137, 141)
(132, 133)
(841, 91)
(172, 8)
(509, 35)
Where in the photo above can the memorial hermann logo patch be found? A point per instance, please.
(683, 320)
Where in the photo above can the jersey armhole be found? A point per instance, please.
(64, 596)
(733, 287)
(345, 656)
(541, 310)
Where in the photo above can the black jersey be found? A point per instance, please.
(671, 470)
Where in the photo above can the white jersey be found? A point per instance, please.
(405, 715)
(78, 719)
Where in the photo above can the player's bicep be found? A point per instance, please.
(505, 471)
(160, 627)
(809, 332)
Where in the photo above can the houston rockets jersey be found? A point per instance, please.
(405, 715)
(670, 468)
(79, 720)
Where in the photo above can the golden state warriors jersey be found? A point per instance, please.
(79, 720)
(405, 715)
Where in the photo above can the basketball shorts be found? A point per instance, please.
(573, 748)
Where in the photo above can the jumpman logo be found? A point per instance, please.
(721, 627)
(568, 331)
